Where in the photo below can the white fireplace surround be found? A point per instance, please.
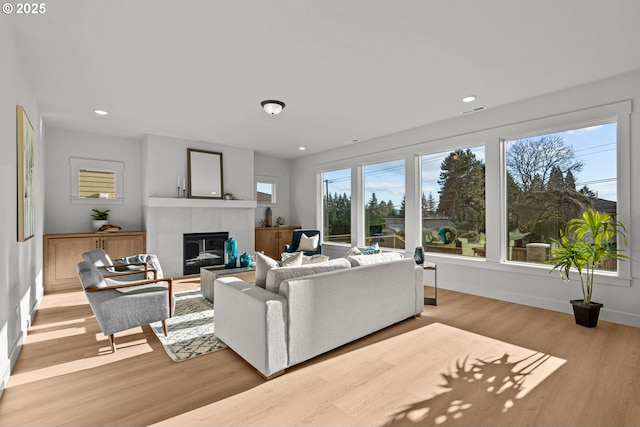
(167, 219)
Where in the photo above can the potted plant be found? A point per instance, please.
(585, 244)
(100, 218)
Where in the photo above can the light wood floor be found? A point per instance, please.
(66, 374)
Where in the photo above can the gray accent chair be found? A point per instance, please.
(117, 269)
(119, 306)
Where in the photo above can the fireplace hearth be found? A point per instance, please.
(203, 250)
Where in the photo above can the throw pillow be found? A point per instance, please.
(263, 265)
(306, 259)
(366, 250)
(314, 259)
(308, 243)
(370, 250)
(292, 261)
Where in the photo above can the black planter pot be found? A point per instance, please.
(586, 314)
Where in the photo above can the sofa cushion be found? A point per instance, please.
(358, 260)
(264, 264)
(276, 276)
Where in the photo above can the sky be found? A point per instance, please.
(595, 146)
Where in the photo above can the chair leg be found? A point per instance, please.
(112, 341)
(164, 327)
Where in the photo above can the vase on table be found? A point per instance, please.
(230, 253)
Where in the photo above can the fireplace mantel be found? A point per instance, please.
(168, 202)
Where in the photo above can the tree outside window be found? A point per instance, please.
(384, 191)
(337, 206)
(453, 202)
(552, 178)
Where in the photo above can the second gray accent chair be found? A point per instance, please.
(119, 305)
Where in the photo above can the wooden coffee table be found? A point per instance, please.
(208, 276)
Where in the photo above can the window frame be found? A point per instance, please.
(495, 181)
(266, 179)
(613, 113)
(76, 164)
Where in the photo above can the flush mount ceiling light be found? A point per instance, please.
(100, 112)
(302, 148)
(470, 98)
(272, 106)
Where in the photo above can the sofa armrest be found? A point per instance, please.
(252, 322)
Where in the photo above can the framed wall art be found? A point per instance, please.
(26, 196)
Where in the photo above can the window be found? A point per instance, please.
(96, 181)
(337, 206)
(552, 178)
(453, 202)
(266, 189)
(384, 196)
(97, 184)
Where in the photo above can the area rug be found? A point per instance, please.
(191, 331)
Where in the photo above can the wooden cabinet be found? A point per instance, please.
(63, 252)
(271, 240)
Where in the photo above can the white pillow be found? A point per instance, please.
(314, 259)
(264, 264)
(292, 261)
(308, 243)
(306, 259)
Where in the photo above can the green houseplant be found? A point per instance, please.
(585, 244)
(100, 218)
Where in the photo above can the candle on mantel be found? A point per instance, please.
(184, 182)
(178, 181)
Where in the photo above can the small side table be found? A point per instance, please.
(434, 267)
(209, 275)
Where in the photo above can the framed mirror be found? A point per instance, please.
(205, 174)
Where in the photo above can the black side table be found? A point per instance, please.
(434, 267)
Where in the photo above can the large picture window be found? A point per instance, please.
(453, 202)
(336, 211)
(384, 197)
(552, 178)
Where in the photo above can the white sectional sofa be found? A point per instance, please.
(311, 310)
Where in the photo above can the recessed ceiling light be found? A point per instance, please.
(469, 98)
(100, 112)
(302, 148)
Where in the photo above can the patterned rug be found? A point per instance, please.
(190, 329)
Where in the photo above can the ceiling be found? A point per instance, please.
(346, 69)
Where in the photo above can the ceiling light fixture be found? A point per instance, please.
(302, 148)
(470, 98)
(100, 112)
(272, 106)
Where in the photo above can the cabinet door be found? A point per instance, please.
(266, 242)
(121, 246)
(63, 256)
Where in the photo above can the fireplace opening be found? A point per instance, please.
(203, 250)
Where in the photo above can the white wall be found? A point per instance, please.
(527, 285)
(61, 216)
(166, 222)
(166, 158)
(20, 263)
(279, 169)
